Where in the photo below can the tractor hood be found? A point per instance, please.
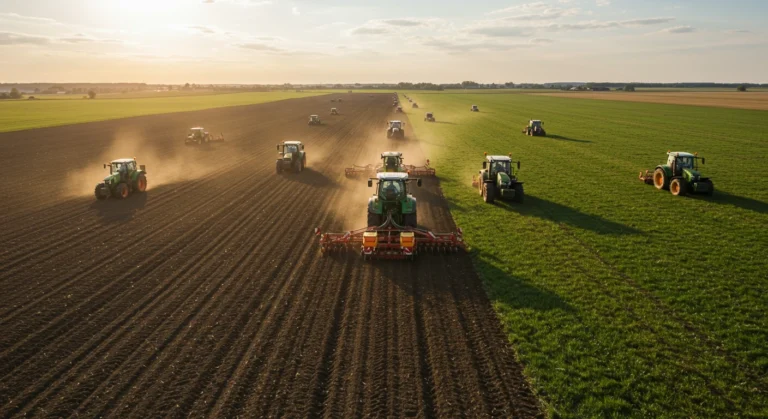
(503, 180)
(691, 175)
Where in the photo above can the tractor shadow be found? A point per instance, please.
(561, 138)
(514, 290)
(117, 211)
(457, 277)
(724, 198)
(445, 122)
(561, 214)
(311, 177)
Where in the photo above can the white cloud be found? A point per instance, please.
(14, 38)
(14, 17)
(295, 11)
(535, 11)
(679, 29)
(602, 3)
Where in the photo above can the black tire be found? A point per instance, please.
(711, 190)
(660, 180)
(409, 220)
(519, 193)
(304, 162)
(140, 185)
(489, 193)
(122, 191)
(374, 220)
(278, 167)
(99, 194)
(678, 187)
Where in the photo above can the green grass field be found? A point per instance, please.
(16, 115)
(620, 299)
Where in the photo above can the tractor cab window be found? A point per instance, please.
(684, 162)
(391, 162)
(535, 123)
(197, 133)
(290, 148)
(391, 189)
(119, 168)
(396, 125)
(500, 166)
(131, 166)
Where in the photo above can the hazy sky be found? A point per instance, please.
(303, 41)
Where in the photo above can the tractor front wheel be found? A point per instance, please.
(711, 190)
(374, 220)
(100, 192)
(489, 193)
(141, 184)
(519, 193)
(660, 180)
(122, 191)
(678, 187)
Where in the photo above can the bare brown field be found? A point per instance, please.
(208, 296)
(736, 100)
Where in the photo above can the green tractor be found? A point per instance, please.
(393, 199)
(125, 177)
(292, 157)
(680, 175)
(498, 179)
(535, 128)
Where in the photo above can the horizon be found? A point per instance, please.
(301, 42)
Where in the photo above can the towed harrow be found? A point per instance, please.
(391, 161)
(391, 241)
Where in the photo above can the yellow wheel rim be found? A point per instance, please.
(658, 179)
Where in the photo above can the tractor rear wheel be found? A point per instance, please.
(409, 220)
(374, 220)
(660, 180)
(141, 184)
(678, 187)
(519, 193)
(489, 193)
(122, 191)
(278, 168)
(711, 190)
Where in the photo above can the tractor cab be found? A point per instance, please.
(122, 166)
(535, 123)
(679, 161)
(474, 108)
(392, 186)
(429, 115)
(392, 161)
(499, 164)
(290, 147)
(334, 111)
(197, 133)
(314, 120)
(395, 125)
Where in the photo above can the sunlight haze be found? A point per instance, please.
(328, 41)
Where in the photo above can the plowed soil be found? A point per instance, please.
(207, 296)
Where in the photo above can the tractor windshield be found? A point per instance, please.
(395, 124)
(685, 162)
(391, 163)
(290, 148)
(500, 166)
(197, 133)
(391, 190)
(120, 167)
(535, 124)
